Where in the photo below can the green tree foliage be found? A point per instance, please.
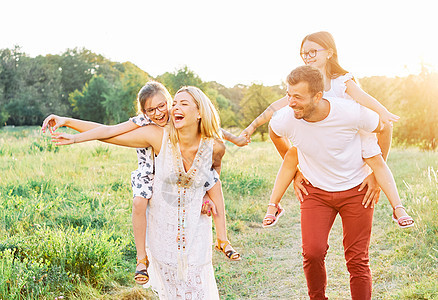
(120, 101)
(106, 91)
(415, 99)
(255, 100)
(234, 95)
(30, 88)
(88, 104)
(183, 76)
(419, 110)
(3, 113)
(78, 66)
(9, 79)
(223, 105)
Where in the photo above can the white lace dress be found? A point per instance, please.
(179, 238)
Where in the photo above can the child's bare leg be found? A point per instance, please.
(284, 178)
(386, 182)
(216, 195)
(139, 227)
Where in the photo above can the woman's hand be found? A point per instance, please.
(299, 188)
(247, 132)
(373, 192)
(61, 139)
(53, 122)
(241, 141)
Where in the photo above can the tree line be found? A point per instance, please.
(86, 85)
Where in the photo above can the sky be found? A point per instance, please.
(231, 42)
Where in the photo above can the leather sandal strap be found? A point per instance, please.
(277, 206)
(399, 206)
(231, 253)
(222, 244)
(144, 261)
(270, 217)
(405, 218)
(141, 273)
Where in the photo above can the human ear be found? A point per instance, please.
(330, 53)
(318, 96)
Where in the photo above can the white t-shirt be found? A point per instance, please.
(329, 151)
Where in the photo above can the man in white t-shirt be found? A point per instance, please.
(325, 133)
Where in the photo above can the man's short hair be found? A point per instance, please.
(308, 74)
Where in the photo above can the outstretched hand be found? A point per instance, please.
(373, 192)
(61, 139)
(53, 122)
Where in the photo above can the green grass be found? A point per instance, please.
(65, 226)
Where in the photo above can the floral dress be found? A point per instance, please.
(142, 178)
(179, 237)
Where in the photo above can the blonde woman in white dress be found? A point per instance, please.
(189, 151)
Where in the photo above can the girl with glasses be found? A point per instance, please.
(153, 104)
(319, 50)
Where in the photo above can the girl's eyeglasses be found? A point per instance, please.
(311, 53)
(152, 110)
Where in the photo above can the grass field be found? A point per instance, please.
(65, 226)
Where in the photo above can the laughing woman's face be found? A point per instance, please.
(184, 110)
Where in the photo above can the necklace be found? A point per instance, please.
(184, 181)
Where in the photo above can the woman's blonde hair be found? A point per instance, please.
(209, 125)
(149, 90)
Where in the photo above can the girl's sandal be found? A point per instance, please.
(273, 218)
(142, 276)
(403, 222)
(231, 254)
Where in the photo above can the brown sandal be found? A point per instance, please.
(231, 254)
(142, 276)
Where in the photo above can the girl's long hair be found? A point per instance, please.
(209, 125)
(326, 40)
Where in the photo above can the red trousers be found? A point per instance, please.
(318, 212)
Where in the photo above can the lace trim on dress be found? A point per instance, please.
(192, 288)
